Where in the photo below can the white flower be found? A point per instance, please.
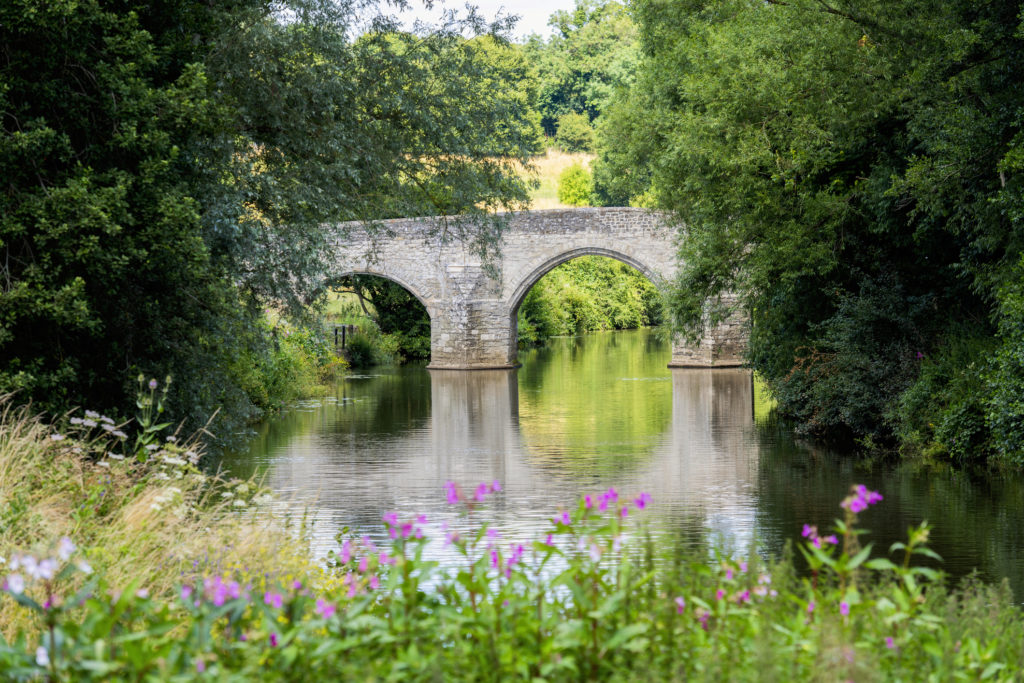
(162, 476)
(178, 462)
(239, 503)
(104, 418)
(88, 423)
(103, 464)
(115, 456)
(42, 657)
(76, 449)
(152, 447)
(142, 593)
(15, 583)
(84, 567)
(2, 560)
(76, 420)
(227, 494)
(242, 488)
(119, 434)
(57, 437)
(92, 414)
(108, 427)
(47, 569)
(172, 439)
(65, 547)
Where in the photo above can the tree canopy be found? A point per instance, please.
(852, 169)
(169, 168)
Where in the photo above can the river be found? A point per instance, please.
(586, 413)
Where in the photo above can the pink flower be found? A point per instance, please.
(364, 564)
(324, 608)
(481, 493)
(374, 582)
(588, 502)
(810, 607)
(719, 594)
(642, 500)
(451, 492)
(890, 643)
(495, 486)
(273, 599)
(273, 640)
(680, 605)
(844, 608)
(831, 539)
(625, 511)
(549, 540)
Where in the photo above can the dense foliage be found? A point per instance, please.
(167, 170)
(145, 590)
(575, 186)
(587, 294)
(592, 53)
(853, 170)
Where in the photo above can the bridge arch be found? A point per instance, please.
(397, 279)
(526, 283)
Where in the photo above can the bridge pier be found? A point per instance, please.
(475, 335)
(722, 346)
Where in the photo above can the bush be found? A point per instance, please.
(583, 601)
(360, 351)
(575, 186)
(575, 134)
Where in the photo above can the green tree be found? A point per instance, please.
(847, 168)
(575, 134)
(575, 186)
(593, 52)
(168, 170)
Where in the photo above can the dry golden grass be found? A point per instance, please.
(145, 526)
(547, 168)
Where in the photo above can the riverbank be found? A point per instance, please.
(151, 568)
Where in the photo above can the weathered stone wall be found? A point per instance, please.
(473, 314)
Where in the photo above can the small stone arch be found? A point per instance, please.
(398, 280)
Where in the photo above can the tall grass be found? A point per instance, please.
(146, 524)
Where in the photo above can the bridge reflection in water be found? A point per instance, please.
(351, 461)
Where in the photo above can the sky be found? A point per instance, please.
(533, 14)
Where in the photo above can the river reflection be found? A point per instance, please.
(591, 412)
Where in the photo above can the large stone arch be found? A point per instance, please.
(520, 291)
(472, 302)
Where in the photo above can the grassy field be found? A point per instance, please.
(548, 168)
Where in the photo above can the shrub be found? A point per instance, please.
(360, 351)
(575, 186)
(575, 134)
(582, 601)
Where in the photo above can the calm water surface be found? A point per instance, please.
(602, 410)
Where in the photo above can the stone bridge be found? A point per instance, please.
(473, 308)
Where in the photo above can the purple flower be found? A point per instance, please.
(364, 563)
(273, 640)
(719, 594)
(273, 599)
(809, 531)
(186, 592)
(831, 538)
(297, 585)
(374, 582)
(810, 607)
(588, 502)
(152, 384)
(481, 493)
(549, 540)
(495, 486)
(680, 605)
(451, 492)
(890, 643)
(743, 597)
(346, 552)
(625, 511)
(642, 500)
(494, 558)
(562, 518)
(324, 608)
(391, 518)
(844, 608)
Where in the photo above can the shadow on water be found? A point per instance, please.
(586, 413)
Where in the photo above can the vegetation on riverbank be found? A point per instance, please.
(854, 172)
(150, 569)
